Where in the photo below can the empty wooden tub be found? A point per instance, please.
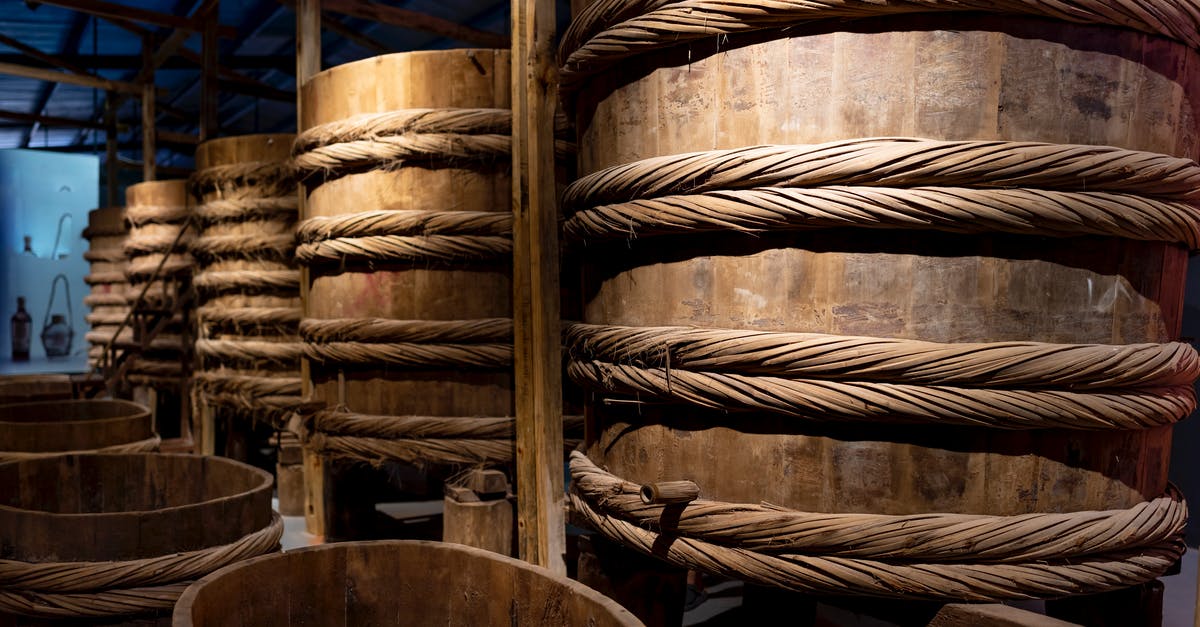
(102, 536)
(46, 428)
(392, 582)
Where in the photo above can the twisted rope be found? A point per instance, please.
(405, 249)
(374, 223)
(105, 300)
(817, 400)
(484, 343)
(250, 208)
(260, 178)
(952, 209)
(212, 283)
(815, 355)
(270, 399)
(89, 589)
(151, 243)
(284, 321)
(148, 445)
(110, 255)
(1130, 547)
(894, 162)
(256, 246)
(103, 278)
(345, 423)
(242, 350)
(141, 215)
(608, 31)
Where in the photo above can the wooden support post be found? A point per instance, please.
(308, 63)
(289, 476)
(210, 47)
(149, 147)
(537, 358)
(111, 159)
(478, 512)
(206, 440)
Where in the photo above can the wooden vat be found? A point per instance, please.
(943, 77)
(23, 388)
(247, 283)
(106, 233)
(442, 311)
(154, 522)
(74, 425)
(370, 583)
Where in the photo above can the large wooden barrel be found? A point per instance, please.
(246, 279)
(156, 212)
(408, 240)
(833, 302)
(377, 583)
(22, 388)
(109, 536)
(106, 232)
(50, 427)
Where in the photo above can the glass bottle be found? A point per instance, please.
(22, 331)
(29, 247)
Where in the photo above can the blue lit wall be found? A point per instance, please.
(37, 189)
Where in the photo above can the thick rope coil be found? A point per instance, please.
(148, 445)
(820, 400)
(211, 248)
(282, 321)
(105, 278)
(161, 242)
(369, 223)
(817, 355)
(608, 31)
(930, 537)
(141, 215)
(484, 343)
(268, 398)
(878, 577)
(101, 319)
(243, 350)
(894, 162)
(952, 209)
(212, 283)
(143, 269)
(419, 439)
(251, 208)
(90, 589)
(262, 178)
(237, 383)
(105, 300)
(110, 255)
(405, 249)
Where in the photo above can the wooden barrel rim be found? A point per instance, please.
(121, 422)
(182, 616)
(209, 521)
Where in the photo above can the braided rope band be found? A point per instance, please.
(264, 178)
(105, 300)
(111, 255)
(250, 320)
(121, 588)
(256, 246)
(213, 283)
(102, 278)
(148, 445)
(154, 214)
(243, 208)
(270, 399)
(839, 357)
(913, 557)
(438, 439)
(242, 350)
(405, 236)
(485, 343)
(608, 31)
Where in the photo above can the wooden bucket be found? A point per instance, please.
(156, 212)
(153, 523)
(246, 277)
(376, 583)
(408, 318)
(106, 233)
(841, 438)
(50, 427)
(22, 388)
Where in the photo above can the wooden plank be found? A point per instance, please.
(111, 161)
(537, 358)
(149, 146)
(209, 87)
(414, 20)
(54, 76)
(308, 63)
(114, 11)
(50, 59)
(992, 615)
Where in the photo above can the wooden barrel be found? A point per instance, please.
(373, 583)
(106, 233)
(246, 279)
(863, 245)
(408, 316)
(22, 388)
(151, 523)
(36, 428)
(156, 212)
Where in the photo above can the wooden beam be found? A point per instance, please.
(50, 120)
(114, 11)
(149, 146)
(111, 158)
(414, 20)
(308, 63)
(44, 57)
(209, 87)
(537, 357)
(178, 139)
(95, 82)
